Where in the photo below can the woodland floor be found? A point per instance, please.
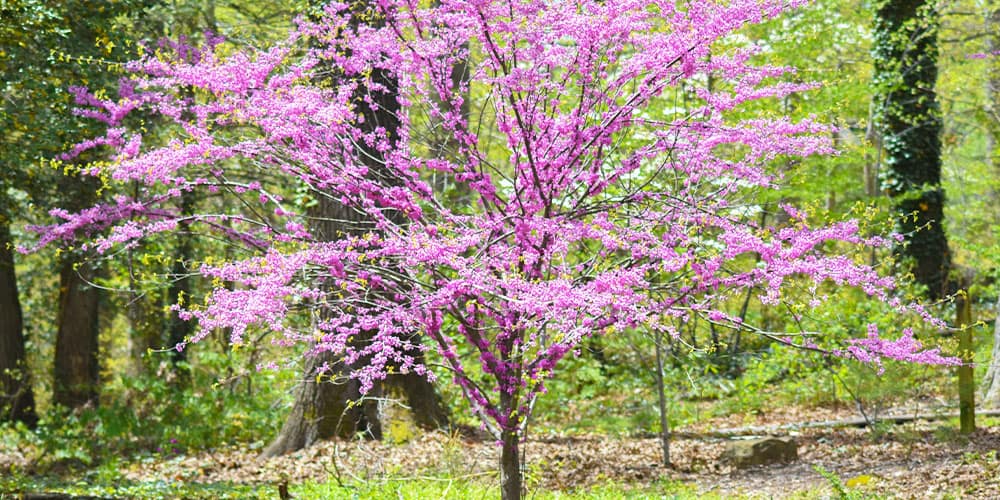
(925, 459)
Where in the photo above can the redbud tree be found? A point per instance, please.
(594, 200)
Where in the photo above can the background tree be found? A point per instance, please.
(17, 398)
(17, 401)
(45, 47)
(334, 405)
(905, 52)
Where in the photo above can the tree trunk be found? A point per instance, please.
(511, 475)
(145, 326)
(443, 143)
(331, 408)
(76, 363)
(17, 400)
(320, 410)
(325, 408)
(179, 330)
(510, 467)
(428, 410)
(966, 351)
(993, 96)
(909, 120)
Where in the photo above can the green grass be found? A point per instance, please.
(16, 486)
(443, 487)
(400, 488)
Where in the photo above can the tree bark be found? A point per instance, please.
(76, 364)
(905, 53)
(993, 95)
(179, 330)
(444, 144)
(324, 409)
(17, 399)
(511, 475)
(966, 351)
(327, 407)
(145, 320)
(510, 467)
(426, 406)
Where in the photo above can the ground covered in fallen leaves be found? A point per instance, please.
(913, 460)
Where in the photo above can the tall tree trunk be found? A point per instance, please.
(17, 400)
(905, 52)
(76, 364)
(966, 351)
(179, 330)
(328, 408)
(993, 98)
(75, 383)
(426, 406)
(323, 409)
(443, 143)
(145, 324)
(328, 405)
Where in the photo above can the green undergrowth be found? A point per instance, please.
(152, 416)
(419, 488)
(776, 377)
(18, 486)
(403, 488)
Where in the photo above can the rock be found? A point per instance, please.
(748, 453)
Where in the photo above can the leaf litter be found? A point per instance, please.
(912, 460)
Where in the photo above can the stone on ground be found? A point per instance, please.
(746, 453)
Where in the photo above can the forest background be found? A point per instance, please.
(88, 341)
